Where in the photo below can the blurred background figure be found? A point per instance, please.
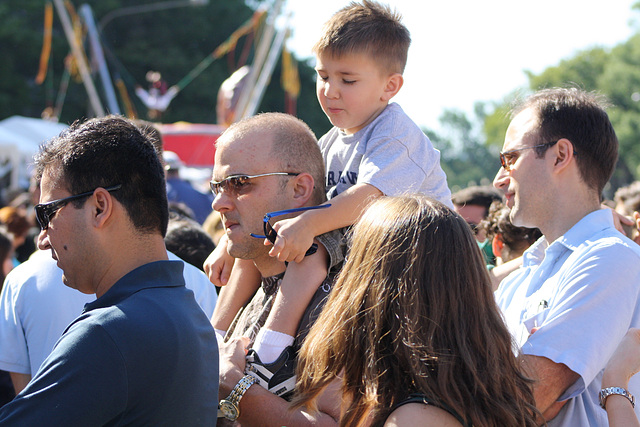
(188, 240)
(627, 201)
(472, 204)
(181, 191)
(19, 226)
(507, 241)
(7, 392)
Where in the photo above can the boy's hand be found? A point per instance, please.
(293, 241)
(636, 217)
(219, 263)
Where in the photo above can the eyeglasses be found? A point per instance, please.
(270, 233)
(45, 211)
(235, 184)
(506, 158)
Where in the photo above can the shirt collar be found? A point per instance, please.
(582, 231)
(157, 274)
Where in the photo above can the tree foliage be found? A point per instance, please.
(170, 41)
(465, 158)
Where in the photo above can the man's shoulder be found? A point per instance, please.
(611, 248)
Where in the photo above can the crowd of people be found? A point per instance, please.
(349, 287)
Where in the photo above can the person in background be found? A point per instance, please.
(627, 203)
(472, 203)
(508, 242)
(7, 392)
(180, 190)
(411, 330)
(18, 225)
(188, 240)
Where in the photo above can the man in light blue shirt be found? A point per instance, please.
(578, 289)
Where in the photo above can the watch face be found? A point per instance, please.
(229, 410)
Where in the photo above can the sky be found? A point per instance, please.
(464, 51)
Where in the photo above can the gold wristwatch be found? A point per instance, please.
(230, 407)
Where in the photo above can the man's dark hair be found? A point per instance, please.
(580, 117)
(110, 151)
(481, 195)
(188, 241)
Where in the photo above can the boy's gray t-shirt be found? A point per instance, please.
(391, 153)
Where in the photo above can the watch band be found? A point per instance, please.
(229, 407)
(606, 392)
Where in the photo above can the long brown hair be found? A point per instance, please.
(413, 312)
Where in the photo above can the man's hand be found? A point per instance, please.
(295, 237)
(233, 352)
(219, 263)
(619, 221)
(636, 217)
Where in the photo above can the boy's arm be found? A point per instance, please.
(243, 283)
(295, 235)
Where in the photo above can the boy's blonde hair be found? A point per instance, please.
(370, 28)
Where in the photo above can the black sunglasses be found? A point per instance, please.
(270, 233)
(45, 211)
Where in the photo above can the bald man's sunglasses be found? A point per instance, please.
(235, 184)
(270, 233)
(46, 211)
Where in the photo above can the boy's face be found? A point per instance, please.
(352, 90)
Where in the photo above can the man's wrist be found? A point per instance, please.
(230, 375)
(229, 407)
(607, 392)
(611, 378)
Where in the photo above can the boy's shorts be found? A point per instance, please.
(334, 243)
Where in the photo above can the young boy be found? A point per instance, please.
(374, 149)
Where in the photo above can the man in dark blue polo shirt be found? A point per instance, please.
(143, 353)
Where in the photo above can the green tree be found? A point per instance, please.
(465, 158)
(171, 41)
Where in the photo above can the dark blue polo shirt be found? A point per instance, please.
(142, 354)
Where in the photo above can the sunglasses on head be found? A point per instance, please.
(270, 233)
(234, 184)
(46, 211)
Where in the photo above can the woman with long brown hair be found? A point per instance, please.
(411, 329)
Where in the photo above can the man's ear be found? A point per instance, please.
(394, 83)
(564, 153)
(102, 207)
(303, 186)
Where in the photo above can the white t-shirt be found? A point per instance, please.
(582, 292)
(391, 153)
(36, 307)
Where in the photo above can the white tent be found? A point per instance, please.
(20, 138)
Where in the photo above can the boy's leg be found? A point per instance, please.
(243, 283)
(271, 359)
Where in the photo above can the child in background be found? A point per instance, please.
(374, 149)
